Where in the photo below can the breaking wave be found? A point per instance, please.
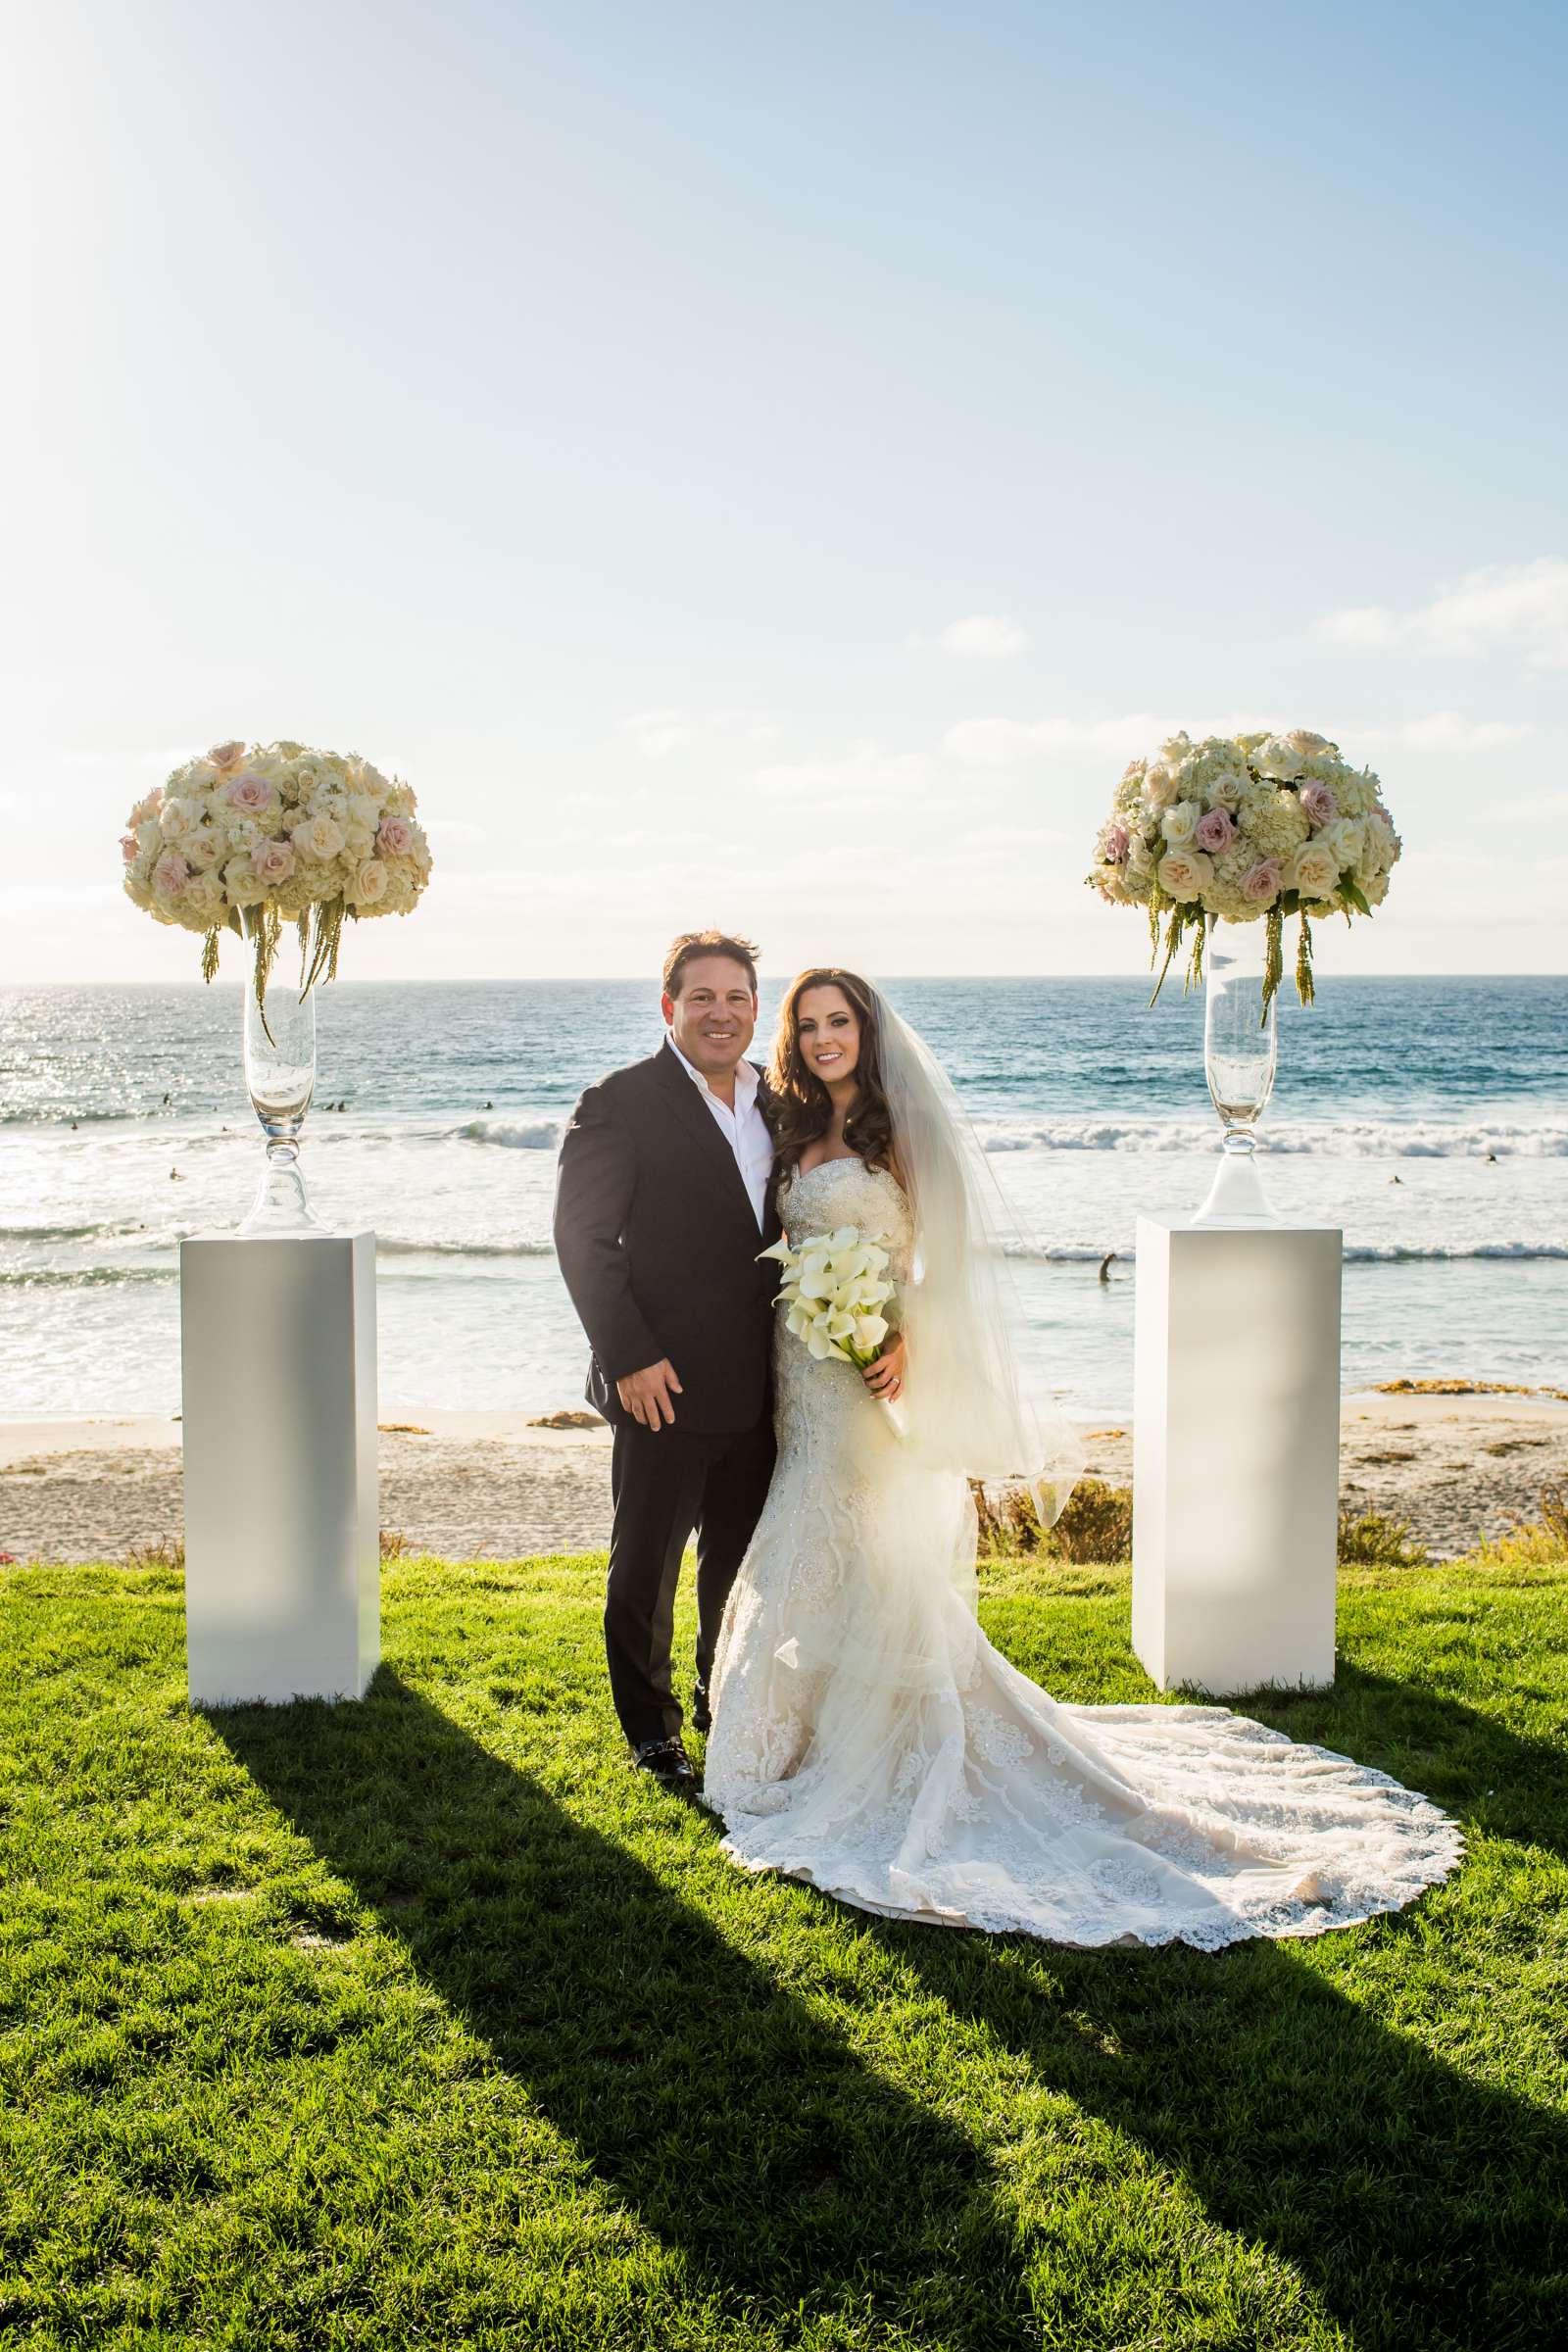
(515, 1135)
(1350, 1138)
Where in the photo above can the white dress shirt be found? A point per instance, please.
(744, 1128)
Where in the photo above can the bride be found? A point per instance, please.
(866, 1736)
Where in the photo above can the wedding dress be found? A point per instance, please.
(867, 1738)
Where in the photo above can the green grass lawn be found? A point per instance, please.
(423, 2022)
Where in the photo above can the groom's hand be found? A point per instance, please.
(648, 1394)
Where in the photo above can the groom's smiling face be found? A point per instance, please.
(714, 1014)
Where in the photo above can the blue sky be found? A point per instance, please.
(773, 466)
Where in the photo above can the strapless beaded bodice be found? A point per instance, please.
(846, 1191)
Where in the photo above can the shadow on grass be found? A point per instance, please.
(1425, 2207)
(731, 2119)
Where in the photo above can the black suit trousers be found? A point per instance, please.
(668, 1483)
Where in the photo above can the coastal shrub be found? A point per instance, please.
(167, 1553)
(1554, 1515)
(1096, 1523)
(1370, 1540)
(1532, 1542)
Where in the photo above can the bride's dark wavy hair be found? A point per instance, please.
(803, 1107)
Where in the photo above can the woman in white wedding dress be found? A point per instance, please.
(866, 1736)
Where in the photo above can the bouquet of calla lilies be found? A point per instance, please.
(835, 1286)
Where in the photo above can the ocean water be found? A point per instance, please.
(1429, 1118)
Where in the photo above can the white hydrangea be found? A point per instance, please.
(1356, 792)
(1272, 821)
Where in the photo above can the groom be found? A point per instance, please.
(663, 1202)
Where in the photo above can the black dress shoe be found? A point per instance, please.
(702, 1712)
(666, 1760)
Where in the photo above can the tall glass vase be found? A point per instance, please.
(281, 1073)
(1241, 1047)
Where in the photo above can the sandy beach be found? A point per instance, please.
(496, 1485)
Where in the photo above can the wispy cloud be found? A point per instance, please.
(1518, 607)
(141, 762)
(1007, 742)
(453, 830)
(867, 773)
(1444, 731)
(657, 734)
(983, 637)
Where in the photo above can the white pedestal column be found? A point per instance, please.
(1235, 1454)
(283, 1535)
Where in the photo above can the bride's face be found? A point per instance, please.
(829, 1031)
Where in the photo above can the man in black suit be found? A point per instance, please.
(662, 1201)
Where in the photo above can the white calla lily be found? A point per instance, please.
(832, 1290)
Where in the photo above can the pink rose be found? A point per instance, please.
(128, 848)
(272, 862)
(224, 755)
(170, 874)
(1215, 831)
(1261, 882)
(252, 794)
(1115, 844)
(1319, 804)
(396, 837)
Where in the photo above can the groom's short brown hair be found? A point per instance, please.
(692, 943)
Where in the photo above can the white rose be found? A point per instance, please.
(1313, 870)
(1383, 844)
(194, 776)
(1159, 786)
(1181, 823)
(319, 838)
(182, 814)
(368, 886)
(1226, 789)
(1278, 758)
(204, 903)
(204, 849)
(1185, 874)
(1344, 841)
(242, 885)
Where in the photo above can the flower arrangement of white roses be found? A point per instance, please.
(1251, 828)
(252, 836)
(835, 1286)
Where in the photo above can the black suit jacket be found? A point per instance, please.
(659, 1246)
